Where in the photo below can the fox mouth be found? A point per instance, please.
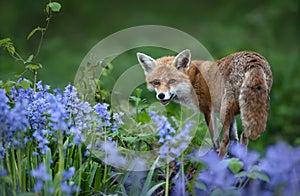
(167, 101)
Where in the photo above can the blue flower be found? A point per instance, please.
(282, 165)
(216, 175)
(113, 157)
(172, 145)
(249, 159)
(57, 114)
(41, 137)
(165, 129)
(101, 110)
(41, 173)
(68, 174)
(117, 121)
(179, 188)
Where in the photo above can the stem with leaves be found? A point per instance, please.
(31, 63)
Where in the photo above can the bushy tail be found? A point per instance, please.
(254, 103)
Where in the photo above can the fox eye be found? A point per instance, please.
(172, 81)
(156, 82)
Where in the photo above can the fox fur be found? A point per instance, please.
(236, 84)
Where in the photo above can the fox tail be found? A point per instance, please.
(254, 102)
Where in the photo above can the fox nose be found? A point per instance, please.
(161, 95)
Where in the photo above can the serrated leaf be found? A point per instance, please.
(235, 165)
(34, 66)
(34, 31)
(54, 6)
(5, 41)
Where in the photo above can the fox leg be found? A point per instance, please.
(233, 131)
(244, 139)
(211, 122)
(227, 116)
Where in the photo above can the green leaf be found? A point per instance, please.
(151, 191)
(11, 49)
(5, 41)
(25, 84)
(33, 66)
(259, 175)
(146, 187)
(34, 31)
(29, 59)
(235, 165)
(54, 6)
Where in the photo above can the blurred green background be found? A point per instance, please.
(269, 27)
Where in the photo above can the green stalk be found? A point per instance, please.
(167, 178)
(61, 161)
(105, 158)
(14, 169)
(182, 174)
(79, 167)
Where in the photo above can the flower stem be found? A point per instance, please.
(167, 179)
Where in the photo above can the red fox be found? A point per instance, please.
(236, 84)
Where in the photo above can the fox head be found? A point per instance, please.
(167, 76)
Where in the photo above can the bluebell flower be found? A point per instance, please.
(69, 173)
(41, 176)
(67, 188)
(70, 99)
(3, 172)
(179, 188)
(57, 114)
(102, 111)
(117, 121)
(172, 145)
(37, 113)
(38, 186)
(282, 165)
(113, 157)
(164, 127)
(41, 173)
(249, 159)
(41, 137)
(217, 174)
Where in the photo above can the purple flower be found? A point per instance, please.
(41, 137)
(172, 146)
(67, 188)
(113, 157)
(101, 110)
(282, 165)
(38, 186)
(117, 121)
(41, 173)
(165, 129)
(249, 159)
(216, 175)
(57, 114)
(179, 188)
(41, 176)
(68, 174)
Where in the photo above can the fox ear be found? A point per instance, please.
(182, 60)
(147, 62)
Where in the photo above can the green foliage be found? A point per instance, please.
(53, 6)
(229, 29)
